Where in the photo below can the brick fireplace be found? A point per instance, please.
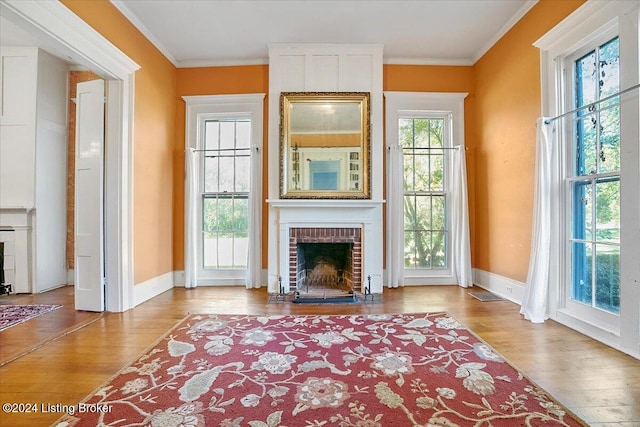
(325, 257)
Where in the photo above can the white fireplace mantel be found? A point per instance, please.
(324, 203)
(321, 213)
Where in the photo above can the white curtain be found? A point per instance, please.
(534, 303)
(254, 262)
(461, 245)
(191, 219)
(395, 217)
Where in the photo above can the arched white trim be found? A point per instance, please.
(56, 25)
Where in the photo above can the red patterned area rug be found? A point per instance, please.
(11, 315)
(313, 371)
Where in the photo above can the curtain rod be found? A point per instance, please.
(546, 122)
(457, 147)
(224, 149)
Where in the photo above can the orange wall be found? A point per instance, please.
(213, 81)
(507, 84)
(154, 130)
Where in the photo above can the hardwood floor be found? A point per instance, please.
(63, 356)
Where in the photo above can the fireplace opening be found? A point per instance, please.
(325, 262)
(324, 267)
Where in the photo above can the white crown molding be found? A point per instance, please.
(202, 63)
(52, 18)
(505, 28)
(133, 18)
(429, 61)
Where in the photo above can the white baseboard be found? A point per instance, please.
(505, 287)
(178, 280)
(153, 287)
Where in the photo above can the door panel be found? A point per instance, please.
(89, 236)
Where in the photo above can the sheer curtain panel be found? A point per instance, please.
(535, 300)
(254, 261)
(460, 220)
(191, 219)
(395, 217)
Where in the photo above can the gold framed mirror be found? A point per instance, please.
(325, 145)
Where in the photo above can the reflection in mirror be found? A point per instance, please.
(324, 145)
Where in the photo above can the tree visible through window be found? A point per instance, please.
(426, 237)
(225, 199)
(595, 181)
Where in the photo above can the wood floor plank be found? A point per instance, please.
(62, 357)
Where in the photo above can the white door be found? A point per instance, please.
(89, 238)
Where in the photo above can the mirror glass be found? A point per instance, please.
(324, 145)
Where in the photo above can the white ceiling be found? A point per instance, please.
(193, 33)
(236, 32)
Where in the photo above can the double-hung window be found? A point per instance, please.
(225, 195)
(590, 65)
(593, 177)
(223, 190)
(424, 143)
(423, 130)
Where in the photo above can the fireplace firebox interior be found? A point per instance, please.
(325, 261)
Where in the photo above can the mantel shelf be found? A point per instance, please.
(324, 203)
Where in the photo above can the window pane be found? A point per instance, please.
(240, 214)
(409, 212)
(581, 288)
(436, 133)
(585, 79)
(243, 173)
(610, 139)
(421, 133)
(438, 213)
(436, 179)
(608, 210)
(608, 278)
(226, 173)
(423, 250)
(409, 249)
(609, 81)
(586, 146)
(210, 251)
(243, 134)
(582, 210)
(405, 130)
(423, 213)
(409, 167)
(212, 134)
(225, 225)
(211, 168)
(227, 134)
(438, 254)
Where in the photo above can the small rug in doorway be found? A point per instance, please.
(11, 315)
(320, 370)
(486, 296)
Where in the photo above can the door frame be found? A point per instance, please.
(70, 37)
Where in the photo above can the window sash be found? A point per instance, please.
(589, 276)
(432, 156)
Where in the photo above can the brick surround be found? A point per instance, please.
(326, 235)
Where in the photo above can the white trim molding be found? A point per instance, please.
(584, 27)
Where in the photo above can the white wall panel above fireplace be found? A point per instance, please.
(325, 68)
